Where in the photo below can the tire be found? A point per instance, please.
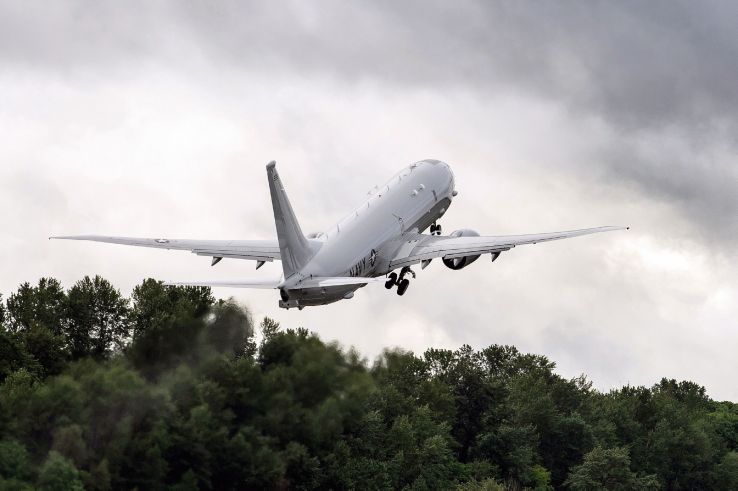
(402, 287)
(389, 284)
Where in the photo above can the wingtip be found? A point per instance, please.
(271, 164)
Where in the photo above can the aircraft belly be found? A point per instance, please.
(306, 297)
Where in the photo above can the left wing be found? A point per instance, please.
(424, 247)
(257, 250)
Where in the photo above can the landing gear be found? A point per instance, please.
(401, 282)
(391, 281)
(402, 287)
(435, 229)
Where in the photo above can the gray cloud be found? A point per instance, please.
(647, 69)
(641, 64)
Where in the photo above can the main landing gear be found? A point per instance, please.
(435, 229)
(401, 282)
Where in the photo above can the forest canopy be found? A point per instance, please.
(171, 389)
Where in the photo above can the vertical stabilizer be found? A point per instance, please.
(293, 246)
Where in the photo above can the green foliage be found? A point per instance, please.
(14, 355)
(485, 485)
(47, 349)
(608, 469)
(725, 474)
(167, 321)
(169, 390)
(97, 317)
(155, 304)
(58, 474)
(269, 328)
(15, 463)
(43, 305)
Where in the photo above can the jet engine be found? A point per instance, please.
(461, 262)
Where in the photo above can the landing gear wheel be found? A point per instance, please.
(435, 229)
(438, 229)
(391, 281)
(402, 287)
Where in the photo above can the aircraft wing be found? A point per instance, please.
(423, 247)
(257, 250)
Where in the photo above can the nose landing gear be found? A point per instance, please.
(401, 282)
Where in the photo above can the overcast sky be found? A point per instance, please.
(156, 119)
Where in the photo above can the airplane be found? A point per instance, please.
(377, 242)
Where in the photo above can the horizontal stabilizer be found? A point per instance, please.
(269, 283)
(266, 283)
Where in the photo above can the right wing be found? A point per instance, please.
(422, 247)
(257, 250)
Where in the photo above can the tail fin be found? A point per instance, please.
(293, 246)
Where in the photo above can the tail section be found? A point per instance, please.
(294, 248)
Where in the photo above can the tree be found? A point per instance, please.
(167, 322)
(231, 329)
(37, 318)
(15, 463)
(98, 319)
(190, 401)
(47, 349)
(43, 305)
(725, 474)
(14, 355)
(269, 327)
(59, 474)
(154, 304)
(608, 469)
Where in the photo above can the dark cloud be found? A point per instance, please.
(639, 63)
(650, 68)
(700, 179)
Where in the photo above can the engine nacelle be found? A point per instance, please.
(461, 262)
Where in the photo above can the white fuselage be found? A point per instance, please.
(363, 243)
